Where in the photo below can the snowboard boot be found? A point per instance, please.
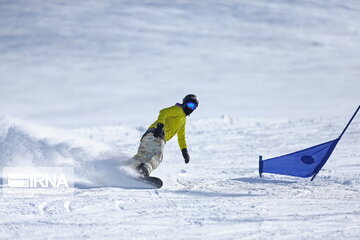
(143, 170)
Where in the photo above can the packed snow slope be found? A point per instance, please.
(67, 63)
(218, 195)
(284, 75)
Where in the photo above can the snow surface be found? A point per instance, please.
(272, 76)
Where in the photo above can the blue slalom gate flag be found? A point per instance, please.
(304, 163)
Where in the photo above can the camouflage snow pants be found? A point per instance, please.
(150, 152)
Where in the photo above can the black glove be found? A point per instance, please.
(185, 154)
(159, 130)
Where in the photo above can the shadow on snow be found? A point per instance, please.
(263, 180)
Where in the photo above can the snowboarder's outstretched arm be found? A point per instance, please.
(182, 143)
(172, 121)
(181, 136)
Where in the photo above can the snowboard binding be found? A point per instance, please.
(143, 170)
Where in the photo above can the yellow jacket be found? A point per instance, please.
(174, 120)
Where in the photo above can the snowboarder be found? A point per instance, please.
(170, 121)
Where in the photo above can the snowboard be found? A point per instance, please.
(152, 182)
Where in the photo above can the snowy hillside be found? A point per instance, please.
(217, 196)
(66, 64)
(80, 81)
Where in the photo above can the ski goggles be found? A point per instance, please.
(191, 105)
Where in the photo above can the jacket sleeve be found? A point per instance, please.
(181, 137)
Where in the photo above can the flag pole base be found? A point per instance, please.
(260, 165)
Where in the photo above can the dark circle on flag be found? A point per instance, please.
(307, 159)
